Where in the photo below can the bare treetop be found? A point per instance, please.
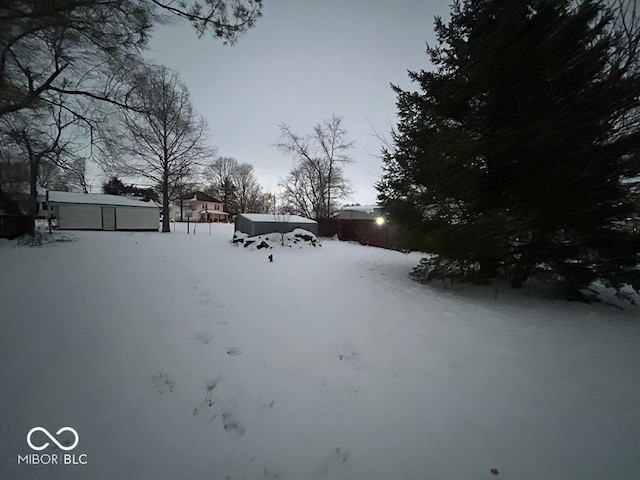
(75, 46)
(318, 156)
(164, 139)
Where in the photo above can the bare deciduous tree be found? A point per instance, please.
(319, 156)
(83, 47)
(219, 177)
(163, 139)
(247, 189)
(70, 178)
(626, 26)
(234, 184)
(48, 137)
(66, 47)
(304, 190)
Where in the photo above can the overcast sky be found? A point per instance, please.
(303, 61)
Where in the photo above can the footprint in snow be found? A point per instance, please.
(204, 337)
(333, 460)
(232, 425)
(234, 351)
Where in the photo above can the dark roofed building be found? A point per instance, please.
(200, 196)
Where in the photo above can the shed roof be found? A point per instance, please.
(201, 197)
(271, 218)
(98, 199)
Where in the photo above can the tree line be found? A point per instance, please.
(224, 178)
(518, 156)
(74, 87)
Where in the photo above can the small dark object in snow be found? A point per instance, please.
(238, 240)
(262, 244)
(495, 471)
(307, 238)
(248, 242)
(271, 258)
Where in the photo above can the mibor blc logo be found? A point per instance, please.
(40, 439)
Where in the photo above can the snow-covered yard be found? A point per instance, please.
(186, 357)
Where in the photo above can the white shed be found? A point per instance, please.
(98, 211)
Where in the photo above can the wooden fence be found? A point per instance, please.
(366, 232)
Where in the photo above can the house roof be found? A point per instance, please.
(271, 218)
(201, 197)
(98, 199)
(361, 208)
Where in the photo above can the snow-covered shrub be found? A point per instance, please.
(40, 238)
(440, 268)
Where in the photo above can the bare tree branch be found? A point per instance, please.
(165, 140)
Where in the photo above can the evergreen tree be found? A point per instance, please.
(114, 187)
(514, 157)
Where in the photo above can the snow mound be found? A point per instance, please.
(42, 238)
(299, 237)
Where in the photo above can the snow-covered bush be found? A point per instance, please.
(40, 238)
(439, 268)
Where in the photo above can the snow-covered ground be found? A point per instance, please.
(186, 357)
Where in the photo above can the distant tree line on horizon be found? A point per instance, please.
(224, 178)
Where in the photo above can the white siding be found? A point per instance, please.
(79, 217)
(136, 218)
(108, 218)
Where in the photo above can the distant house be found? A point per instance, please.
(200, 207)
(98, 211)
(254, 224)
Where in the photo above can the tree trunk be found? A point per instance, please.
(34, 170)
(328, 212)
(181, 201)
(165, 205)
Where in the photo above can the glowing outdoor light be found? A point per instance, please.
(380, 221)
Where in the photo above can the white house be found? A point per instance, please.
(98, 211)
(200, 207)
